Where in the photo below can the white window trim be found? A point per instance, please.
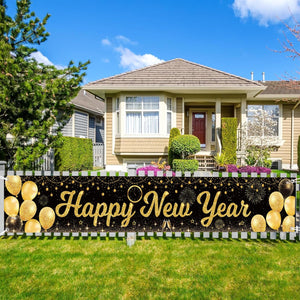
(87, 127)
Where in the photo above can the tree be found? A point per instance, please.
(33, 97)
(260, 136)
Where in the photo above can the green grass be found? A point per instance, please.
(151, 269)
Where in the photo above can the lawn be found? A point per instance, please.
(67, 268)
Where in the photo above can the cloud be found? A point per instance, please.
(123, 39)
(42, 59)
(132, 61)
(106, 42)
(267, 11)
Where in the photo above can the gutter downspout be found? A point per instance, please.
(292, 134)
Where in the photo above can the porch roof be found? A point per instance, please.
(177, 75)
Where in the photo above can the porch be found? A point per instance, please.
(202, 118)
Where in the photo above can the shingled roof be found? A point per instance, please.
(88, 102)
(174, 73)
(282, 87)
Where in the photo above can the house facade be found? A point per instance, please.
(142, 106)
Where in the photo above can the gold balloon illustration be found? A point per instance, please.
(258, 223)
(276, 201)
(286, 187)
(288, 223)
(273, 219)
(33, 226)
(47, 217)
(27, 210)
(11, 206)
(289, 205)
(13, 184)
(29, 190)
(13, 223)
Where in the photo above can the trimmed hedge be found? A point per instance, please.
(185, 145)
(171, 156)
(75, 154)
(185, 165)
(229, 139)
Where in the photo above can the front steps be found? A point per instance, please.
(206, 162)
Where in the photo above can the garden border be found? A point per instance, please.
(291, 236)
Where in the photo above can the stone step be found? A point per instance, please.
(206, 162)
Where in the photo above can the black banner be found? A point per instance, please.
(95, 204)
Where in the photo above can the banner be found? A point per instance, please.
(95, 204)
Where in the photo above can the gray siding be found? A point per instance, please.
(81, 124)
(68, 128)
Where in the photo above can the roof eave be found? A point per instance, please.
(207, 89)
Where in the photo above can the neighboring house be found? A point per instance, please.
(87, 122)
(143, 105)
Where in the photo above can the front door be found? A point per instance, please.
(198, 129)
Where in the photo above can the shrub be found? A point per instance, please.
(185, 145)
(185, 165)
(229, 139)
(75, 154)
(258, 156)
(173, 133)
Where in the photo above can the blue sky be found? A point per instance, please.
(235, 36)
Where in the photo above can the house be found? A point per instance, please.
(143, 105)
(87, 122)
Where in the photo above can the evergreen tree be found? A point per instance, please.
(33, 96)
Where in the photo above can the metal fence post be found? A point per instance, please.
(2, 174)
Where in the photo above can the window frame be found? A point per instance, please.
(142, 110)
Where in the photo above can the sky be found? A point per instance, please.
(235, 36)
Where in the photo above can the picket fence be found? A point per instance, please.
(291, 236)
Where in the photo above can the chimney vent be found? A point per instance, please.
(252, 75)
(263, 76)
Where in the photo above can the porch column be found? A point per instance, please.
(242, 127)
(243, 112)
(218, 125)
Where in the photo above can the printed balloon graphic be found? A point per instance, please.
(258, 223)
(32, 226)
(286, 187)
(276, 201)
(11, 206)
(13, 223)
(289, 205)
(29, 190)
(47, 217)
(13, 184)
(273, 219)
(288, 224)
(27, 210)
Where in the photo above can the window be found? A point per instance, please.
(118, 115)
(263, 120)
(169, 114)
(142, 115)
(81, 124)
(213, 127)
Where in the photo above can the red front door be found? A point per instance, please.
(199, 124)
